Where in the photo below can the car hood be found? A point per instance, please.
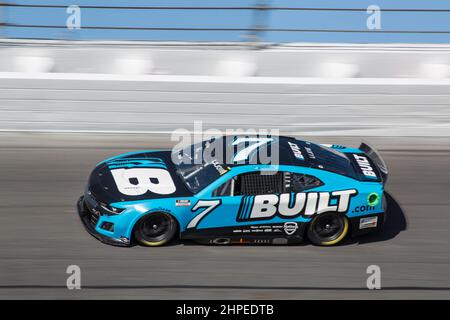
(137, 176)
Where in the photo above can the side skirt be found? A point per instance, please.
(276, 234)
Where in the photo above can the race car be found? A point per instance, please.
(323, 193)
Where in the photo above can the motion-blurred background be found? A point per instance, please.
(86, 80)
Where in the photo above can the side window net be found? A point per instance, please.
(256, 183)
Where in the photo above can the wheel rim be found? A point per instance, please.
(155, 227)
(328, 227)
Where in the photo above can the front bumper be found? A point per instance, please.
(85, 217)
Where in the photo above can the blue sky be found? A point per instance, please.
(231, 19)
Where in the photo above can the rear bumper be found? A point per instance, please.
(356, 224)
(85, 217)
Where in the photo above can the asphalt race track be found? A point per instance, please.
(42, 175)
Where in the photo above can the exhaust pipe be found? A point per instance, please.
(221, 241)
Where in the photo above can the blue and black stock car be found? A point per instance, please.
(320, 192)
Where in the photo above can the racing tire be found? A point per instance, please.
(328, 229)
(155, 229)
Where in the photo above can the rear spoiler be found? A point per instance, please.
(376, 159)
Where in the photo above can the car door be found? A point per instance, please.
(228, 208)
(216, 211)
(248, 204)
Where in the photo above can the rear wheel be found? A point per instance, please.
(155, 229)
(327, 229)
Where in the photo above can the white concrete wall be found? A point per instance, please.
(307, 90)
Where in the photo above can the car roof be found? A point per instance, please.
(291, 151)
(285, 154)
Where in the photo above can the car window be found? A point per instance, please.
(225, 189)
(297, 182)
(256, 183)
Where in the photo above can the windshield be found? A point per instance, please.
(194, 171)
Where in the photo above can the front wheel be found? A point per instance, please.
(155, 229)
(327, 229)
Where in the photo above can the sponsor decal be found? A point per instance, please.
(365, 166)
(244, 241)
(373, 199)
(364, 208)
(296, 150)
(310, 153)
(207, 206)
(291, 205)
(259, 229)
(369, 222)
(221, 169)
(252, 144)
(182, 203)
(138, 181)
(290, 228)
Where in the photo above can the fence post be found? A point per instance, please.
(259, 23)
